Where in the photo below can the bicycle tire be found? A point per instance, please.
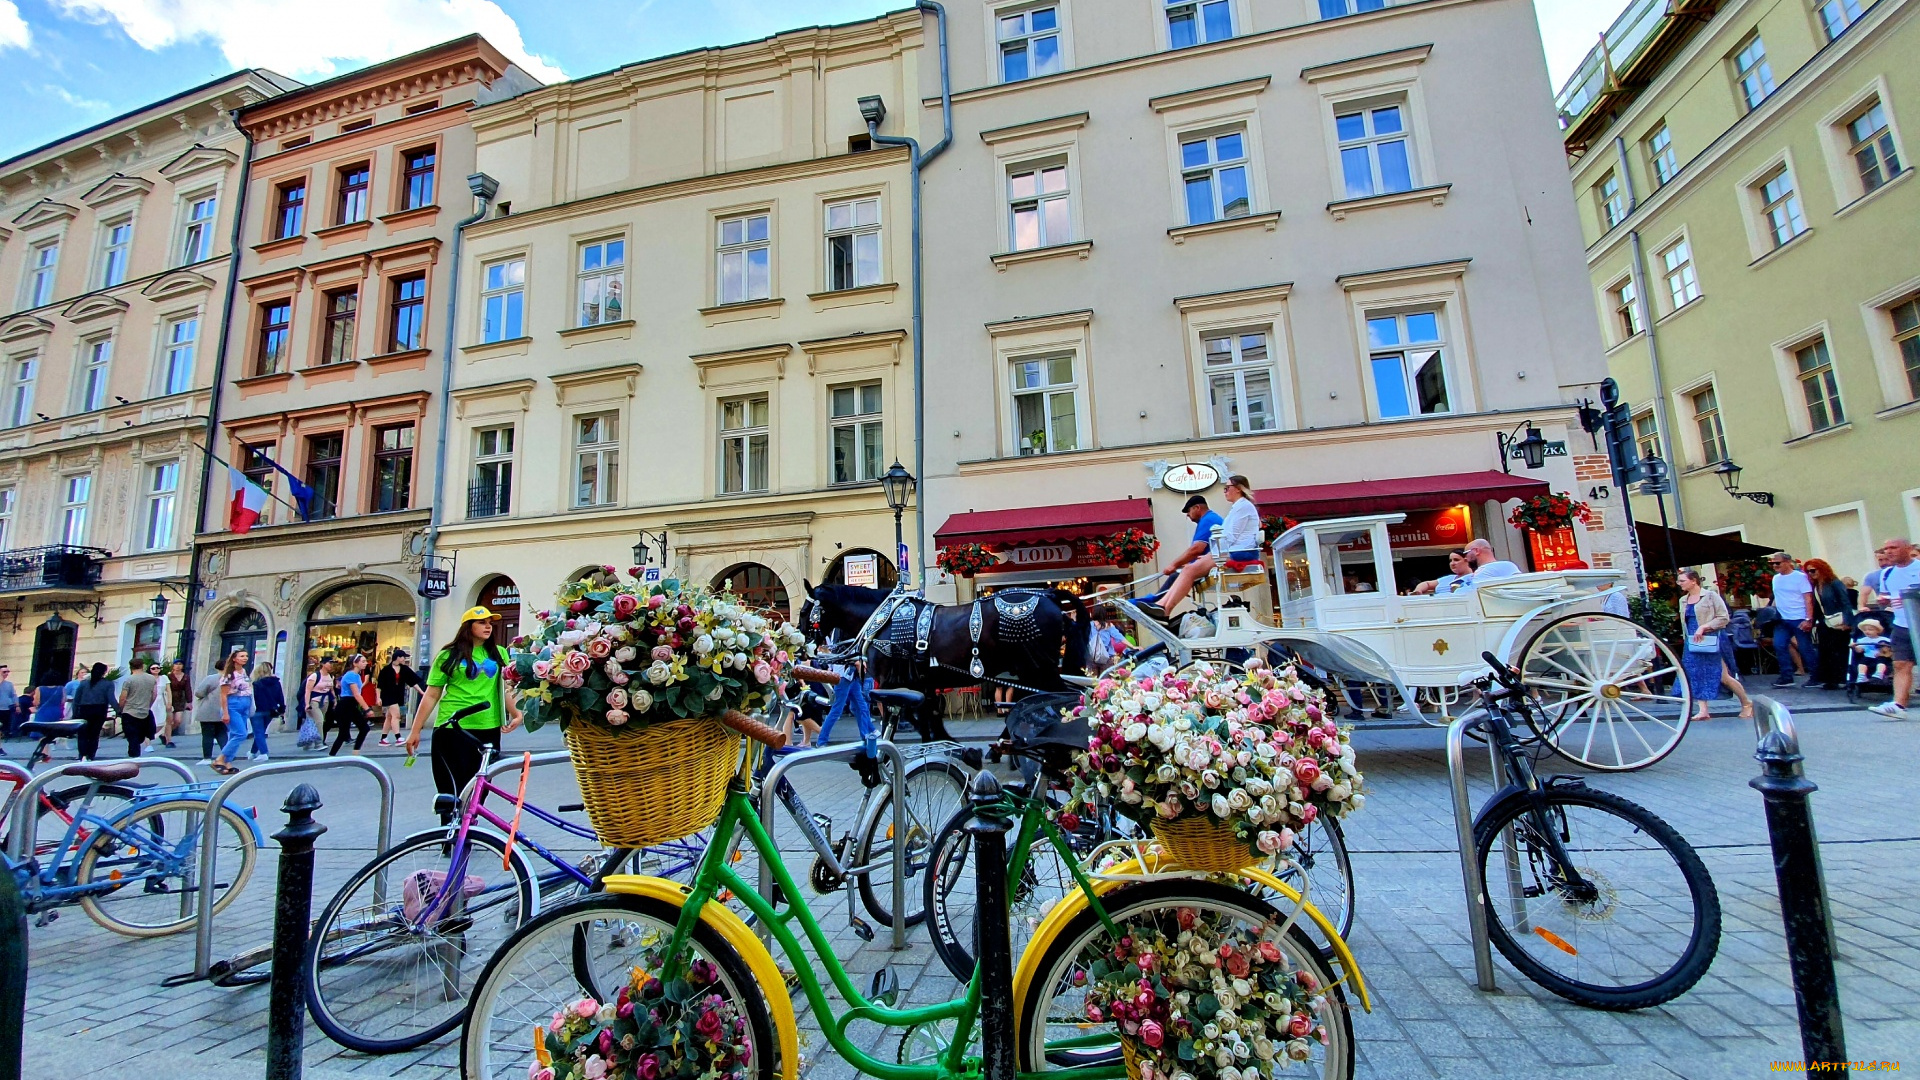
(1689, 966)
(105, 845)
(924, 783)
(65, 797)
(948, 888)
(490, 1034)
(1064, 949)
(335, 1004)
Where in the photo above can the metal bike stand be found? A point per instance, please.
(510, 764)
(889, 753)
(23, 829)
(209, 849)
(1469, 868)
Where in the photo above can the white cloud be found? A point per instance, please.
(1569, 29)
(13, 28)
(75, 101)
(292, 37)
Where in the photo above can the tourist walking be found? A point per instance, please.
(179, 703)
(467, 701)
(139, 692)
(350, 707)
(1708, 656)
(269, 704)
(1833, 620)
(1902, 573)
(206, 713)
(9, 703)
(395, 679)
(91, 700)
(1793, 599)
(317, 696)
(236, 708)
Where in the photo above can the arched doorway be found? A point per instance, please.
(53, 652)
(244, 629)
(371, 617)
(757, 585)
(862, 566)
(502, 597)
(146, 642)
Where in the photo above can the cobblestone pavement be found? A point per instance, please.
(95, 999)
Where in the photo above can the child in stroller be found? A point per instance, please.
(1872, 660)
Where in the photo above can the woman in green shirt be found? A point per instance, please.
(467, 700)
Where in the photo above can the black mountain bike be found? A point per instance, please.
(1587, 894)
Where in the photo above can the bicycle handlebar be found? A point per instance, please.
(1507, 676)
(753, 729)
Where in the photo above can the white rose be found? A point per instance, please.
(1356, 801)
(1166, 774)
(1219, 805)
(640, 700)
(1340, 792)
(1161, 736)
(658, 673)
(703, 644)
(1239, 799)
(625, 653)
(1322, 782)
(1135, 732)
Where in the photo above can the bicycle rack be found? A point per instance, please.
(209, 836)
(889, 753)
(1463, 828)
(508, 764)
(23, 829)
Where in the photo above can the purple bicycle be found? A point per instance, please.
(392, 959)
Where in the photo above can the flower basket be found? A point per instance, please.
(662, 783)
(1549, 513)
(1130, 1055)
(1128, 547)
(965, 560)
(650, 1030)
(1206, 845)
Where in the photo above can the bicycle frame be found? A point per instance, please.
(44, 885)
(1519, 768)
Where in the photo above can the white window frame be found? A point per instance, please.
(1625, 317)
(1198, 12)
(505, 302)
(1819, 385)
(1213, 168)
(1610, 199)
(1046, 392)
(1365, 85)
(1898, 388)
(1322, 8)
(865, 424)
(736, 443)
(1257, 310)
(1039, 202)
(1879, 144)
(500, 462)
(1238, 368)
(1752, 72)
(1678, 272)
(76, 491)
(1754, 203)
(855, 234)
(1370, 141)
(7, 497)
(1793, 382)
(42, 274)
(197, 232)
(1690, 441)
(1019, 340)
(116, 251)
(1839, 148)
(1647, 440)
(603, 453)
(1834, 16)
(179, 352)
(1782, 213)
(741, 252)
(94, 374)
(1662, 163)
(606, 280)
(158, 506)
(1000, 43)
(22, 372)
(1405, 348)
(1439, 288)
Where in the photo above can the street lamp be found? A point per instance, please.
(1532, 447)
(160, 605)
(897, 482)
(641, 552)
(1729, 475)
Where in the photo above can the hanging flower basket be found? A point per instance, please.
(1275, 524)
(965, 560)
(1744, 577)
(1128, 547)
(1549, 513)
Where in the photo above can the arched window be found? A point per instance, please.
(756, 585)
(370, 617)
(244, 629)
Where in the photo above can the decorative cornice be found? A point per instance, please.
(1209, 94)
(1031, 323)
(1435, 194)
(176, 283)
(564, 383)
(24, 328)
(1257, 295)
(521, 388)
(1032, 128)
(94, 306)
(198, 160)
(117, 186)
(850, 342)
(1362, 65)
(45, 212)
(1268, 221)
(776, 354)
(1399, 275)
(289, 279)
(423, 74)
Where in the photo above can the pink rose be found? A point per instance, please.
(619, 678)
(542, 668)
(1306, 980)
(578, 662)
(616, 698)
(648, 1067)
(1308, 813)
(708, 1026)
(1305, 771)
(1151, 1034)
(616, 717)
(656, 602)
(1299, 1025)
(609, 569)
(762, 673)
(1094, 1014)
(596, 1068)
(600, 648)
(537, 1071)
(586, 1008)
(663, 653)
(625, 605)
(579, 607)
(1269, 952)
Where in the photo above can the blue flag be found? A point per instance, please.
(302, 492)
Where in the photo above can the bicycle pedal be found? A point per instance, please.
(860, 928)
(884, 988)
(49, 916)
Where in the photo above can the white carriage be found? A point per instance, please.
(1613, 693)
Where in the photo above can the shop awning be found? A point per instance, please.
(1315, 501)
(1691, 548)
(1045, 524)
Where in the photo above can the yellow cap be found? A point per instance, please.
(480, 611)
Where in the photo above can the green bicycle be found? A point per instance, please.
(590, 947)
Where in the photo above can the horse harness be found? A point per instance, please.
(1013, 620)
(905, 627)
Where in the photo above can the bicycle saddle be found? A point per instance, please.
(904, 699)
(53, 729)
(126, 770)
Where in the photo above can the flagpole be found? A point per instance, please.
(242, 472)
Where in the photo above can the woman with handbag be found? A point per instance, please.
(1832, 624)
(1708, 655)
(318, 695)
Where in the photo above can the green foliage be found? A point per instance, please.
(1657, 614)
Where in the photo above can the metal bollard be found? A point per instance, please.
(1803, 896)
(13, 977)
(292, 919)
(987, 832)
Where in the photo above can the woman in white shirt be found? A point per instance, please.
(1239, 539)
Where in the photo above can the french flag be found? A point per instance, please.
(249, 502)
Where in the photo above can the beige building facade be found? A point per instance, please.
(1332, 253)
(115, 262)
(686, 319)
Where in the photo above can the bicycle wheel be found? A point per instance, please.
(380, 976)
(950, 896)
(156, 863)
(1319, 855)
(1644, 929)
(589, 949)
(109, 801)
(936, 790)
(1053, 1034)
(1613, 694)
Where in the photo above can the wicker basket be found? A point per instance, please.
(1131, 1055)
(1205, 844)
(662, 783)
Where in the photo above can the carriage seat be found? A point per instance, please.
(53, 729)
(898, 698)
(125, 770)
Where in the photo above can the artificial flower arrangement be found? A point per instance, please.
(1549, 513)
(1216, 1001)
(965, 560)
(1273, 525)
(1744, 578)
(1128, 547)
(625, 656)
(1253, 752)
(650, 1031)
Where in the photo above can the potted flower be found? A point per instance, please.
(1548, 513)
(1222, 766)
(649, 1031)
(1128, 547)
(965, 560)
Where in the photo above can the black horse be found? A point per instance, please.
(1026, 638)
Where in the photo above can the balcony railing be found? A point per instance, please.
(489, 500)
(59, 566)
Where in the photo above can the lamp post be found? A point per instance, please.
(898, 483)
(1532, 446)
(1729, 475)
(641, 552)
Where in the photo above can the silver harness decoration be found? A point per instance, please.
(976, 668)
(1015, 620)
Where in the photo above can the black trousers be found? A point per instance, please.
(89, 737)
(345, 712)
(1833, 646)
(137, 729)
(456, 754)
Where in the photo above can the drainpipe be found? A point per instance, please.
(219, 381)
(484, 188)
(874, 112)
(1641, 300)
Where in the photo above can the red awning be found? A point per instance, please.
(1315, 501)
(1045, 524)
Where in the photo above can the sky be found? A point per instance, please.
(67, 64)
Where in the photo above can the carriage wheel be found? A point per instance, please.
(1614, 695)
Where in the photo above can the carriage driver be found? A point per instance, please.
(1239, 538)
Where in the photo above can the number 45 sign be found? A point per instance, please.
(1600, 491)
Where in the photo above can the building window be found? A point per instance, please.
(183, 336)
(1409, 365)
(343, 320)
(156, 523)
(417, 179)
(1040, 211)
(116, 242)
(355, 181)
(1240, 384)
(1334, 9)
(6, 519)
(853, 244)
(596, 460)
(323, 475)
(393, 468)
(1837, 15)
(1626, 309)
(41, 265)
(1646, 435)
(491, 493)
(290, 210)
(743, 445)
(93, 380)
(746, 253)
(276, 321)
(1374, 155)
(1029, 44)
(1780, 206)
(1682, 286)
(20, 376)
(1045, 416)
(74, 493)
(503, 300)
(1214, 169)
(1754, 74)
(256, 466)
(1706, 421)
(1192, 22)
(1906, 336)
(603, 278)
(409, 312)
(1660, 156)
(1872, 147)
(1813, 366)
(854, 414)
(1613, 205)
(196, 241)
